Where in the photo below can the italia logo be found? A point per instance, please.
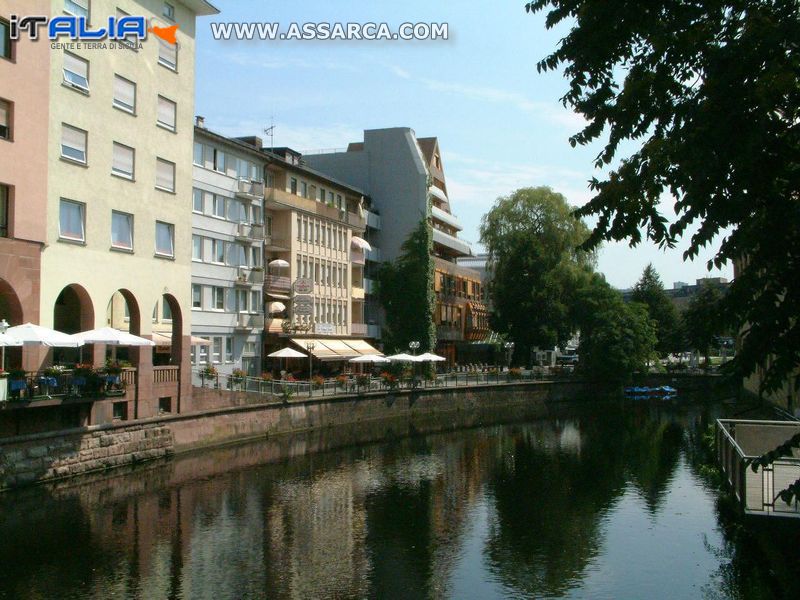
(77, 29)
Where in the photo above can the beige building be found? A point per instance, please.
(116, 214)
(315, 224)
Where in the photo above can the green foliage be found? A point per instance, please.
(617, 339)
(702, 319)
(710, 94)
(649, 291)
(406, 293)
(791, 493)
(532, 239)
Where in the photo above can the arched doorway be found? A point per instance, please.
(11, 311)
(73, 312)
(123, 313)
(167, 331)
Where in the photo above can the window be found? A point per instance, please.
(236, 255)
(168, 54)
(322, 194)
(249, 348)
(293, 185)
(4, 210)
(216, 350)
(164, 405)
(5, 39)
(219, 160)
(339, 201)
(79, 8)
(120, 411)
(73, 143)
(236, 211)
(219, 206)
(193, 354)
(121, 230)
(76, 71)
(197, 157)
(197, 248)
(167, 110)
(241, 301)
(165, 239)
(124, 94)
(122, 160)
(5, 119)
(218, 298)
(197, 296)
(197, 201)
(229, 349)
(255, 301)
(203, 354)
(166, 311)
(71, 220)
(131, 41)
(304, 189)
(218, 251)
(168, 11)
(165, 175)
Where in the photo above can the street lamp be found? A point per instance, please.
(3, 328)
(310, 347)
(509, 346)
(414, 346)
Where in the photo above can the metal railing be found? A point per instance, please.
(757, 491)
(41, 385)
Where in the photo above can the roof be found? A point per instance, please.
(202, 8)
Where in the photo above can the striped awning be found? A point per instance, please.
(333, 349)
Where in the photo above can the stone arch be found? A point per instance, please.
(73, 311)
(11, 311)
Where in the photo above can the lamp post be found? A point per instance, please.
(414, 346)
(3, 328)
(509, 346)
(310, 347)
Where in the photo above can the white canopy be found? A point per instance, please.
(276, 307)
(278, 262)
(403, 357)
(111, 337)
(360, 243)
(369, 358)
(287, 353)
(36, 335)
(7, 341)
(165, 339)
(430, 356)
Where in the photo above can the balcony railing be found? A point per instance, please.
(247, 277)
(249, 233)
(248, 321)
(272, 242)
(358, 222)
(357, 257)
(250, 189)
(448, 332)
(43, 385)
(167, 374)
(359, 328)
(275, 283)
(357, 293)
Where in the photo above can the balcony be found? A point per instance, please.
(282, 200)
(452, 243)
(357, 293)
(373, 220)
(374, 331)
(248, 321)
(247, 277)
(370, 287)
(274, 326)
(374, 255)
(448, 333)
(277, 243)
(356, 221)
(357, 257)
(250, 190)
(445, 217)
(279, 284)
(435, 191)
(249, 233)
(359, 329)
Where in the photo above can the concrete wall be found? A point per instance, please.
(45, 457)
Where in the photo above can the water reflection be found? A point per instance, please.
(550, 508)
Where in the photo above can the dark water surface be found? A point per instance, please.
(611, 502)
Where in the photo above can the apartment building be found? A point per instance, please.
(315, 255)
(227, 251)
(107, 184)
(404, 177)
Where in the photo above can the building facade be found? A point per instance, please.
(228, 252)
(110, 182)
(404, 178)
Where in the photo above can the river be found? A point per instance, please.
(610, 500)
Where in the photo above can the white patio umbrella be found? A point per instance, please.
(286, 353)
(403, 357)
(278, 263)
(111, 337)
(430, 357)
(36, 335)
(7, 341)
(276, 307)
(369, 358)
(360, 243)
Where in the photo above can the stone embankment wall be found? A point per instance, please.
(44, 457)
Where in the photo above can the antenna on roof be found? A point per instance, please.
(270, 131)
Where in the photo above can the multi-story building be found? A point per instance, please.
(314, 227)
(228, 251)
(404, 177)
(107, 183)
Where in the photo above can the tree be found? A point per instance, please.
(710, 94)
(702, 319)
(532, 240)
(650, 291)
(617, 339)
(405, 290)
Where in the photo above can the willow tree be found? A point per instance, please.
(533, 240)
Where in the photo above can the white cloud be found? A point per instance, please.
(299, 137)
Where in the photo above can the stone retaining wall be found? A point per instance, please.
(45, 457)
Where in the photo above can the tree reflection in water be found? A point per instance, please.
(402, 519)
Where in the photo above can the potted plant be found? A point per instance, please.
(237, 378)
(362, 381)
(317, 382)
(208, 372)
(389, 380)
(342, 381)
(266, 376)
(515, 373)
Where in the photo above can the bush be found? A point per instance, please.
(341, 381)
(266, 376)
(317, 381)
(389, 379)
(515, 373)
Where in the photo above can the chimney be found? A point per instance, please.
(252, 140)
(200, 122)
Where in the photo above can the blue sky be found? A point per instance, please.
(500, 124)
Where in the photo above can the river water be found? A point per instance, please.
(608, 501)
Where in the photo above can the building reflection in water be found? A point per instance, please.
(383, 520)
